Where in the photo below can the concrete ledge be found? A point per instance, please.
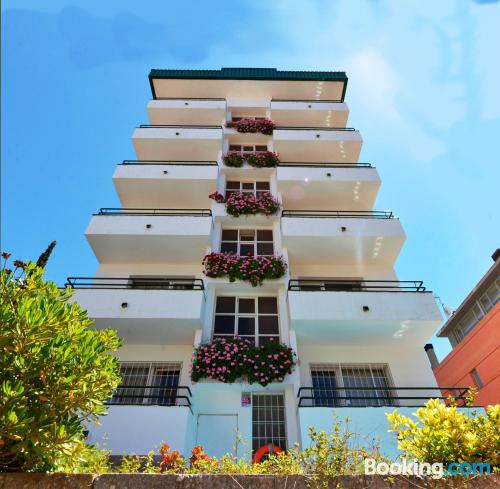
(160, 481)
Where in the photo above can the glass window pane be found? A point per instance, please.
(224, 325)
(230, 235)
(246, 306)
(247, 185)
(264, 235)
(268, 325)
(229, 247)
(268, 305)
(247, 248)
(262, 185)
(226, 304)
(235, 147)
(246, 326)
(247, 234)
(233, 185)
(260, 147)
(247, 148)
(265, 249)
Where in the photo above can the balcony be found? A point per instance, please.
(160, 184)
(206, 111)
(327, 185)
(309, 113)
(310, 144)
(341, 237)
(366, 410)
(368, 312)
(164, 142)
(151, 407)
(134, 235)
(147, 310)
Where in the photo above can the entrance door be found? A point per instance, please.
(217, 433)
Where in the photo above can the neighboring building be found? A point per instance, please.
(474, 334)
(357, 330)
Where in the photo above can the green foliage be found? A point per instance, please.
(55, 372)
(444, 434)
(44, 257)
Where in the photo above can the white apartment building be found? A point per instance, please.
(357, 330)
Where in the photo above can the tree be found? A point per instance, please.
(55, 372)
(44, 257)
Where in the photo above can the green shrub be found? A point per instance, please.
(444, 434)
(55, 372)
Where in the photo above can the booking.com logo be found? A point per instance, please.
(435, 470)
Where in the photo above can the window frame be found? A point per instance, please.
(255, 242)
(254, 191)
(342, 390)
(257, 335)
(251, 148)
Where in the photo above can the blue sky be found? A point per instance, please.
(423, 89)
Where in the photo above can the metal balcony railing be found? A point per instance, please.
(310, 128)
(117, 211)
(151, 395)
(147, 283)
(324, 165)
(167, 162)
(307, 100)
(185, 126)
(335, 214)
(377, 396)
(333, 285)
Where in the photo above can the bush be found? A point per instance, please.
(55, 372)
(234, 159)
(231, 359)
(259, 159)
(444, 434)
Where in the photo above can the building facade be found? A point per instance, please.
(474, 334)
(357, 330)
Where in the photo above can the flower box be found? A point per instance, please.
(229, 360)
(253, 269)
(264, 125)
(244, 203)
(259, 159)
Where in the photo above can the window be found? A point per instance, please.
(244, 241)
(480, 308)
(254, 318)
(251, 117)
(256, 188)
(159, 282)
(268, 421)
(477, 378)
(148, 383)
(248, 148)
(351, 385)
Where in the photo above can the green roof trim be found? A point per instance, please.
(248, 74)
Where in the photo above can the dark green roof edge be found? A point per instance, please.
(248, 74)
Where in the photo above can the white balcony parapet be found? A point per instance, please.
(342, 237)
(325, 186)
(165, 184)
(143, 310)
(310, 144)
(368, 312)
(309, 113)
(150, 235)
(177, 142)
(187, 111)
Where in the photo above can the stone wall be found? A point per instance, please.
(159, 481)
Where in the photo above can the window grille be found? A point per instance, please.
(256, 188)
(268, 421)
(254, 318)
(148, 383)
(244, 241)
(340, 385)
